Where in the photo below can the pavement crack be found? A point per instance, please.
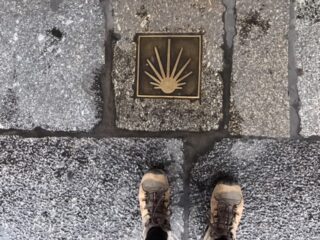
(109, 113)
(295, 121)
(229, 20)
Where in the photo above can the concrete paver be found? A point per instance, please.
(280, 181)
(259, 89)
(308, 58)
(63, 188)
(137, 16)
(87, 188)
(51, 55)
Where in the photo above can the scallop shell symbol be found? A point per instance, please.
(168, 81)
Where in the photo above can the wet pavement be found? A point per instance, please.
(76, 140)
(50, 64)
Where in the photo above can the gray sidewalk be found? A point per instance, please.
(66, 188)
(75, 138)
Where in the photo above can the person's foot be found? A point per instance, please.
(226, 211)
(154, 196)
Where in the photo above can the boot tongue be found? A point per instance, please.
(222, 238)
(157, 210)
(225, 218)
(222, 235)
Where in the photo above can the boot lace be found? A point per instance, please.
(157, 207)
(223, 220)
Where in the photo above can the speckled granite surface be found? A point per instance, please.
(51, 56)
(63, 188)
(259, 89)
(145, 16)
(308, 57)
(281, 186)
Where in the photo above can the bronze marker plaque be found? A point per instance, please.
(168, 66)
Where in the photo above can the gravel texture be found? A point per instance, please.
(141, 16)
(308, 58)
(260, 102)
(51, 56)
(62, 188)
(281, 187)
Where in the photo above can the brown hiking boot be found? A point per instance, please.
(226, 211)
(154, 196)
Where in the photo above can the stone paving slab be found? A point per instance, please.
(62, 188)
(281, 186)
(51, 55)
(308, 58)
(259, 89)
(138, 16)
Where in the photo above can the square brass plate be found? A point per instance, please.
(168, 66)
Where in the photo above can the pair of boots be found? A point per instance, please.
(154, 195)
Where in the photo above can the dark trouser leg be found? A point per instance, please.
(156, 233)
